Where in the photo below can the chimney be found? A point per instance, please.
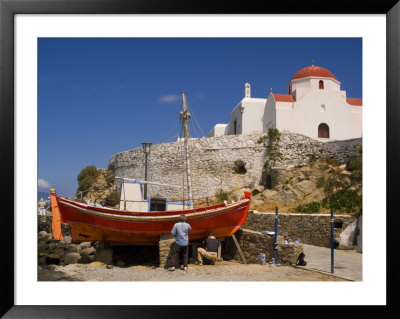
(247, 90)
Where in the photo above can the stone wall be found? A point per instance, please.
(253, 243)
(313, 229)
(212, 161)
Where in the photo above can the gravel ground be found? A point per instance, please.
(224, 271)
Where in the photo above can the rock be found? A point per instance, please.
(88, 251)
(53, 259)
(49, 275)
(257, 190)
(49, 238)
(84, 245)
(67, 239)
(65, 229)
(288, 196)
(105, 255)
(109, 266)
(96, 264)
(71, 258)
(359, 235)
(71, 248)
(59, 252)
(42, 261)
(86, 259)
(43, 235)
(346, 240)
(53, 246)
(42, 246)
(305, 187)
(287, 254)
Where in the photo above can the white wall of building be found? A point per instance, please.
(218, 130)
(253, 114)
(235, 121)
(269, 118)
(316, 107)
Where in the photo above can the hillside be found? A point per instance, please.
(312, 188)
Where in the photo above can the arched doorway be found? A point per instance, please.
(323, 131)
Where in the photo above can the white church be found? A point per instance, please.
(313, 106)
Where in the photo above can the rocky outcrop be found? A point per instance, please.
(101, 188)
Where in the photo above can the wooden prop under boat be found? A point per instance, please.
(90, 223)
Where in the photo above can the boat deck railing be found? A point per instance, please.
(198, 202)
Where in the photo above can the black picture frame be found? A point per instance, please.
(8, 8)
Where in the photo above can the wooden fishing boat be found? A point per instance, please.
(90, 223)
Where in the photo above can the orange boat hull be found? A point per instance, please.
(90, 223)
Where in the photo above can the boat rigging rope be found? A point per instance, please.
(194, 117)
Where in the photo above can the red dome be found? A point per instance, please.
(313, 70)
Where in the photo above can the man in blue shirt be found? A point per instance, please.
(211, 251)
(181, 245)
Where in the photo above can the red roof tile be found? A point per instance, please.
(313, 70)
(283, 97)
(354, 101)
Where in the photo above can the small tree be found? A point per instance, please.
(86, 177)
(270, 142)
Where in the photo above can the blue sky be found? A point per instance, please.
(99, 97)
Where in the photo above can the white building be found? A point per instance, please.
(313, 106)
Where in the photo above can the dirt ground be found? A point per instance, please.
(224, 271)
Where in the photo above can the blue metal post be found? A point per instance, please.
(332, 242)
(276, 232)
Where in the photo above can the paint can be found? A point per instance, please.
(262, 258)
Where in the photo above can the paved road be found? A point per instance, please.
(347, 263)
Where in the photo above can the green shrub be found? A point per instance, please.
(115, 196)
(320, 182)
(330, 184)
(344, 199)
(356, 177)
(271, 144)
(239, 167)
(221, 195)
(310, 208)
(86, 177)
(312, 157)
(332, 161)
(354, 164)
(287, 180)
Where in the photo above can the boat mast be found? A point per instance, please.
(185, 115)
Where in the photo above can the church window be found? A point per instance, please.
(322, 107)
(323, 131)
(234, 127)
(321, 84)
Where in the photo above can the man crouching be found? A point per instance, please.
(211, 251)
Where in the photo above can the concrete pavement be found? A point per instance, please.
(347, 263)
